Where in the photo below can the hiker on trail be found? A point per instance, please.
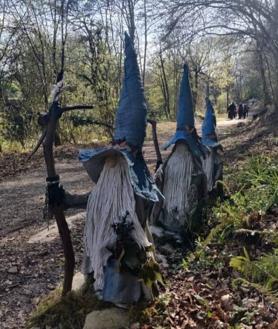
(231, 111)
(240, 111)
(213, 163)
(119, 252)
(245, 111)
(181, 178)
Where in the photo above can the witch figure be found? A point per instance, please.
(119, 251)
(213, 163)
(181, 178)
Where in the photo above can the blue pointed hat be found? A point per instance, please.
(185, 115)
(132, 111)
(130, 126)
(185, 118)
(209, 137)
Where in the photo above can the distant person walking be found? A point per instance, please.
(231, 111)
(245, 111)
(240, 111)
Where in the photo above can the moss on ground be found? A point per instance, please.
(67, 312)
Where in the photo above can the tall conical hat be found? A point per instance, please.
(130, 127)
(185, 115)
(132, 111)
(209, 137)
(185, 118)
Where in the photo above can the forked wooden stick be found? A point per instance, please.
(58, 199)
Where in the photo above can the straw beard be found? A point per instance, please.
(177, 184)
(111, 198)
(208, 168)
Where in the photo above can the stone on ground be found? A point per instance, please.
(111, 318)
(78, 281)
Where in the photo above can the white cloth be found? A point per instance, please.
(110, 199)
(177, 183)
(208, 167)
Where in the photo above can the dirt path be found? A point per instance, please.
(27, 271)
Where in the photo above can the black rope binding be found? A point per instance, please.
(54, 195)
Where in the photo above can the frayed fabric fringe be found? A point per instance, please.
(208, 168)
(177, 181)
(111, 198)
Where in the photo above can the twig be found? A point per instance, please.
(76, 107)
(44, 119)
(37, 145)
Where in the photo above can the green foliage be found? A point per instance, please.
(263, 270)
(92, 71)
(261, 273)
(261, 172)
(255, 195)
(257, 185)
(15, 122)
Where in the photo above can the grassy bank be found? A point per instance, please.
(231, 279)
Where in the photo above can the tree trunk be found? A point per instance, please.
(263, 77)
(145, 44)
(165, 86)
(195, 91)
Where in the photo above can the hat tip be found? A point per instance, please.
(186, 68)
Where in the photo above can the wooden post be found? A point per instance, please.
(58, 199)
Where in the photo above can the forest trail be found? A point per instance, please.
(22, 195)
(30, 270)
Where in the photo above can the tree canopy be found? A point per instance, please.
(231, 48)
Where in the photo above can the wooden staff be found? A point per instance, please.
(58, 199)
